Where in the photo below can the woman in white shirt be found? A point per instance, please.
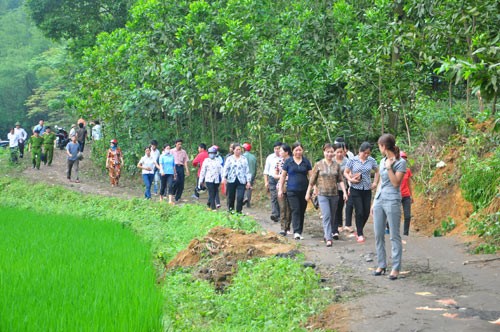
(147, 164)
(210, 174)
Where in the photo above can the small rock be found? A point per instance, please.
(309, 264)
(441, 164)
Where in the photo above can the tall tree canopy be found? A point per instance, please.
(80, 21)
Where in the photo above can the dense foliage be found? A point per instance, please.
(217, 71)
(20, 41)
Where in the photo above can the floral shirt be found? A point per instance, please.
(237, 169)
(211, 170)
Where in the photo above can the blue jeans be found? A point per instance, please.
(148, 180)
(388, 211)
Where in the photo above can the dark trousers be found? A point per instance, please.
(178, 186)
(349, 208)
(362, 200)
(235, 190)
(340, 210)
(275, 207)
(166, 182)
(406, 201)
(196, 191)
(20, 145)
(81, 146)
(148, 181)
(298, 204)
(72, 163)
(213, 189)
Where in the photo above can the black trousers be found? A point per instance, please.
(166, 182)
(235, 190)
(362, 200)
(298, 204)
(178, 187)
(339, 212)
(213, 189)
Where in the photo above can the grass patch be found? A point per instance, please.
(60, 273)
(267, 294)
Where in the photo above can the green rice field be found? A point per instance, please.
(61, 273)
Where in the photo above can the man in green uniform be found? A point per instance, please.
(35, 147)
(252, 165)
(48, 145)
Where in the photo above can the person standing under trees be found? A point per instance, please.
(270, 182)
(299, 170)
(252, 164)
(49, 139)
(13, 145)
(147, 164)
(155, 153)
(386, 207)
(114, 162)
(35, 147)
(285, 216)
(198, 162)
(72, 150)
(22, 136)
(358, 173)
(210, 174)
(181, 169)
(96, 131)
(236, 176)
(406, 196)
(81, 134)
(167, 171)
(326, 177)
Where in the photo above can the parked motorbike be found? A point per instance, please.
(62, 138)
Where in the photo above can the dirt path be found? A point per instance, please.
(436, 291)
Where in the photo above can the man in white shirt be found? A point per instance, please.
(13, 143)
(270, 182)
(22, 135)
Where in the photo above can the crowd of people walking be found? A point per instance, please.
(340, 183)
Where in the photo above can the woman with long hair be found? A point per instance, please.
(387, 205)
(326, 176)
(296, 171)
(358, 173)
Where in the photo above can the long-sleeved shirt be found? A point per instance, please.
(210, 171)
(199, 159)
(236, 169)
(326, 177)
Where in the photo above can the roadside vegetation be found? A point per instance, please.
(268, 293)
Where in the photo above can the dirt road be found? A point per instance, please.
(436, 290)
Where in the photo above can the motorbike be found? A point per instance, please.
(62, 138)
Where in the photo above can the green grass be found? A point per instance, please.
(267, 294)
(61, 273)
(284, 293)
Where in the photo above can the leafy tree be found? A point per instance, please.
(80, 21)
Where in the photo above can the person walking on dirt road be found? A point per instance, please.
(23, 136)
(114, 162)
(35, 147)
(285, 214)
(72, 150)
(181, 169)
(407, 196)
(270, 182)
(49, 139)
(387, 205)
(148, 164)
(299, 171)
(326, 177)
(236, 176)
(358, 173)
